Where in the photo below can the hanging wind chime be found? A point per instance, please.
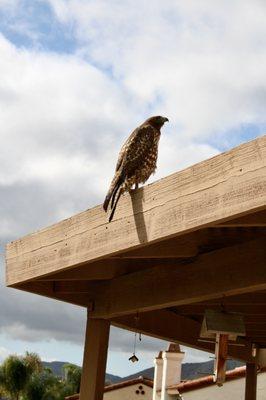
(134, 358)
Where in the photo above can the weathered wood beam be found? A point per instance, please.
(247, 309)
(222, 188)
(181, 247)
(166, 325)
(94, 360)
(221, 355)
(74, 287)
(110, 268)
(48, 289)
(256, 219)
(225, 272)
(101, 270)
(258, 298)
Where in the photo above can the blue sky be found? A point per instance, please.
(76, 77)
(32, 24)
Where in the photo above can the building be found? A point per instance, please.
(205, 388)
(167, 383)
(140, 388)
(167, 371)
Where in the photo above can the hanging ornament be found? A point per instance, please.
(134, 358)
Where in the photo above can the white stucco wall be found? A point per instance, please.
(231, 390)
(129, 393)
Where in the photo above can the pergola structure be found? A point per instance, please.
(192, 241)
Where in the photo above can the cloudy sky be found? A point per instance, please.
(76, 77)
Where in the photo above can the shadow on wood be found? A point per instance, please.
(137, 206)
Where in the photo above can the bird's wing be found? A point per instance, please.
(123, 150)
(136, 148)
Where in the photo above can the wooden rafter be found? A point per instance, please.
(189, 241)
(208, 277)
(223, 188)
(166, 325)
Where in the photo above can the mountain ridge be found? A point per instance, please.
(189, 370)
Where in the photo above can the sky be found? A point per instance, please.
(77, 76)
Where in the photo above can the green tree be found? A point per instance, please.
(33, 362)
(2, 378)
(43, 386)
(72, 377)
(24, 378)
(14, 376)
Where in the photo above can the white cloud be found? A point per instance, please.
(3, 353)
(64, 121)
(201, 63)
(64, 117)
(8, 4)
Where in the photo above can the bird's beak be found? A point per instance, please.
(166, 119)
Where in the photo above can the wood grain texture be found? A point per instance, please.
(257, 219)
(224, 187)
(221, 353)
(94, 360)
(225, 272)
(166, 325)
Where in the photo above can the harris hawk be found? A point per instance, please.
(136, 161)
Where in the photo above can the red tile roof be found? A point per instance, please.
(182, 387)
(140, 380)
(187, 386)
(120, 385)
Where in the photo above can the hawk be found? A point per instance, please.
(136, 161)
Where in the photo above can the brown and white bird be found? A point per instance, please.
(136, 161)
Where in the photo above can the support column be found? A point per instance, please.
(158, 377)
(172, 364)
(94, 359)
(251, 381)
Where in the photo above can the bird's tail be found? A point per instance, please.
(115, 185)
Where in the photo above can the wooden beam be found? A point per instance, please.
(180, 247)
(87, 287)
(251, 381)
(225, 272)
(166, 325)
(47, 289)
(222, 188)
(257, 298)
(247, 309)
(256, 219)
(101, 270)
(94, 360)
(110, 268)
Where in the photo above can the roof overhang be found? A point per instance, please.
(192, 240)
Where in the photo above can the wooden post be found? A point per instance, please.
(221, 347)
(251, 381)
(94, 360)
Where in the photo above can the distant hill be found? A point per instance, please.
(189, 370)
(57, 369)
(197, 370)
(55, 366)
